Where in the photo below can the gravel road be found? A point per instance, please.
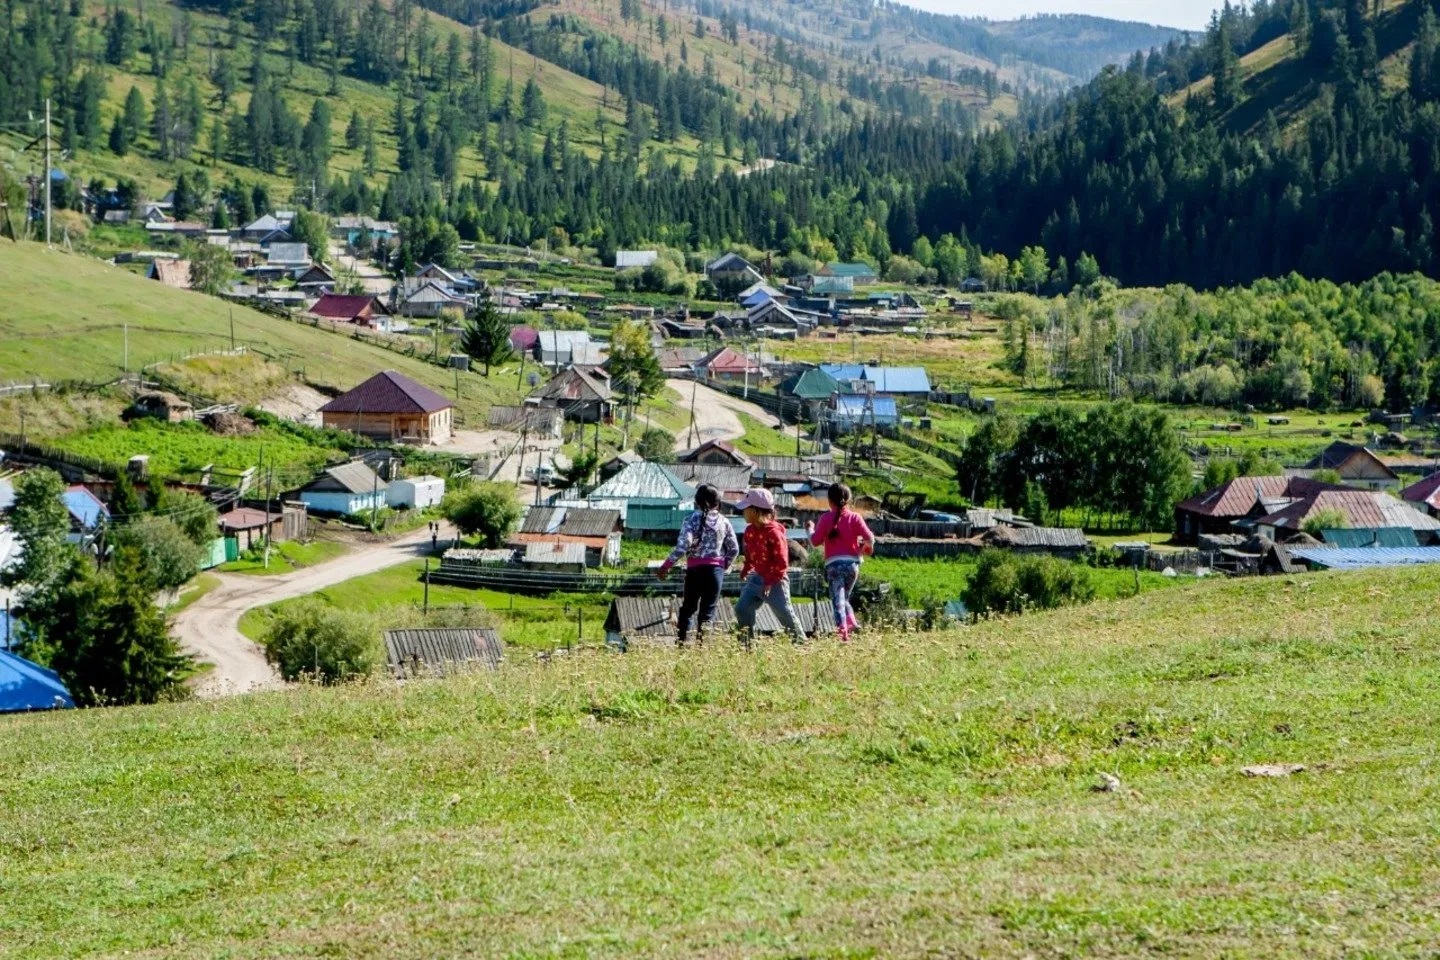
(210, 627)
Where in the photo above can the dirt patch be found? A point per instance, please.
(297, 401)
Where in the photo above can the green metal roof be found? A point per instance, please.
(850, 269)
(813, 384)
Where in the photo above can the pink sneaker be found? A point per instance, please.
(851, 623)
(844, 634)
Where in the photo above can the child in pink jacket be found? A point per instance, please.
(846, 538)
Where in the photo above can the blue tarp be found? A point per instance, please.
(29, 686)
(1359, 558)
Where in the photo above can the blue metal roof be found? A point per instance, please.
(853, 405)
(757, 298)
(1359, 558)
(29, 686)
(84, 506)
(898, 379)
(844, 371)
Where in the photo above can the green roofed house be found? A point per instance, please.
(813, 388)
(861, 274)
(823, 286)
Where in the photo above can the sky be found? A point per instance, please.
(1186, 14)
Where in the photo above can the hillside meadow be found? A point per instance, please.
(79, 328)
(904, 796)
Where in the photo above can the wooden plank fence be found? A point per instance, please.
(514, 579)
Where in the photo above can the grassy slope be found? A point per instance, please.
(66, 314)
(924, 795)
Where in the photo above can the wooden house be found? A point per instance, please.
(393, 408)
(1424, 495)
(1237, 502)
(172, 273)
(346, 490)
(364, 310)
(582, 392)
(721, 452)
(1357, 467)
(729, 365)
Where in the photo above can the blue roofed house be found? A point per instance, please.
(904, 382)
(87, 514)
(351, 488)
(28, 686)
(853, 411)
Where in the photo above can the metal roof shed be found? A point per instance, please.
(29, 686)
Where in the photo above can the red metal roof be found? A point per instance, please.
(727, 360)
(1237, 497)
(338, 306)
(1427, 491)
(388, 392)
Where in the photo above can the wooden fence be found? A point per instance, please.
(513, 579)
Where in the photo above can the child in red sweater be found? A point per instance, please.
(767, 567)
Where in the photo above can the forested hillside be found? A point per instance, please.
(600, 127)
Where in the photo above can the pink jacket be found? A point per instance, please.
(845, 545)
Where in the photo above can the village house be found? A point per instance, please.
(417, 493)
(392, 408)
(1356, 466)
(428, 299)
(263, 228)
(817, 285)
(598, 532)
(850, 412)
(172, 273)
(285, 260)
(649, 496)
(728, 365)
(582, 392)
(1361, 510)
(560, 348)
(363, 310)
(731, 271)
(678, 361)
(1239, 501)
(626, 259)
(908, 383)
(347, 490)
(811, 389)
(554, 557)
(87, 514)
(731, 480)
(860, 274)
(316, 279)
(718, 452)
(248, 525)
(780, 471)
(1424, 495)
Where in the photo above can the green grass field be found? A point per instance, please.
(902, 797)
(80, 327)
(181, 449)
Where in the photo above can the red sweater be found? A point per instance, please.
(766, 552)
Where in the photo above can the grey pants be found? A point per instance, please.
(752, 597)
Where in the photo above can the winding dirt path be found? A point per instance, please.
(210, 627)
(715, 414)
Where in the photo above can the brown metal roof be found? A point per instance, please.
(570, 521)
(1362, 508)
(245, 518)
(438, 652)
(1239, 496)
(337, 306)
(388, 392)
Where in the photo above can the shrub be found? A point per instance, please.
(1011, 583)
(168, 556)
(316, 641)
(656, 445)
(1329, 518)
(487, 510)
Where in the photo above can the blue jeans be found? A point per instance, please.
(753, 596)
(842, 575)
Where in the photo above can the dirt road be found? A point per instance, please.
(210, 627)
(715, 414)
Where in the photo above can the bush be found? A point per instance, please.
(1011, 583)
(168, 556)
(487, 510)
(316, 641)
(656, 445)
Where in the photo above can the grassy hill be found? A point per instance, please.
(68, 318)
(907, 796)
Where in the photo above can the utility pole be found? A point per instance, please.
(694, 427)
(47, 171)
(125, 350)
(232, 329)
(427, 586)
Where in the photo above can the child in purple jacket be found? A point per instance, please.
(846, 537)
(711, 545)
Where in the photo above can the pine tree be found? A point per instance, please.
(487, 337)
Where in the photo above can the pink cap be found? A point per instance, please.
(757, 497)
